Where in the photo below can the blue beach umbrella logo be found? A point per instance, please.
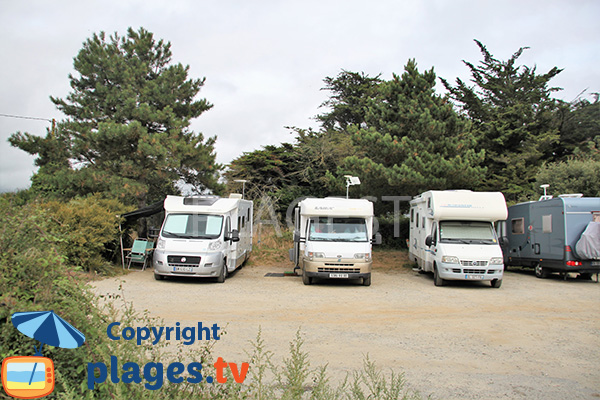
(27, 377)
(47, 328)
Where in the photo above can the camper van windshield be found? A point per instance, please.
(193, 226)
(467, 232)
(338, 229)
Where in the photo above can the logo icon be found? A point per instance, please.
(30, 377)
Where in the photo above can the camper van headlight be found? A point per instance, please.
(313, 255)
(161, 244)
(450, 260)
(365, 256)
(496, 261)
(216, 245)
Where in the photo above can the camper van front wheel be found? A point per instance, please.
(437, 280)
(307, 280)
(223, 274)
(496, 283)
(367, 281)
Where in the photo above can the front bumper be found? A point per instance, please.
(186, 264)
(459, 272)
(336, 269)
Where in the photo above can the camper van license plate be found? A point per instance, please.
(338, 275)
(183, 269)
(595, 263)
(478, 277)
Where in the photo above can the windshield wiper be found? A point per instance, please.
(465, 241)
(178, 235)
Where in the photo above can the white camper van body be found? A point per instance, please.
(332, 239)
(203, 236)
(452, 235)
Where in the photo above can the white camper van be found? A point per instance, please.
(452, 235)
(203, 236)
(332, 239)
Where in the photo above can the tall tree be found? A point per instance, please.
(289, 171)
(580, 123)
(413, 140)
(350, 94)
(514, 118)
(127, 127)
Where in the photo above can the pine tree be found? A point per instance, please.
(413, 140)
(127, 127)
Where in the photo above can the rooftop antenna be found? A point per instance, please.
(351, 180)
(243, 182)
(545, 196)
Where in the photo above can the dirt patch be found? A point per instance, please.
(530, 339)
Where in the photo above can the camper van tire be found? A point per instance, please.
(367, 280)
(437, 281)
(307, 280)
(158, 277)
(223, 275)
(496, 283)
(541, 272)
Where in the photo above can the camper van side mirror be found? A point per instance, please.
(297, 238)
(377, 238)
(234, 236)
(428, 241)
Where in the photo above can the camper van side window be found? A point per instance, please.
(412, 216)
(518, 226)
(429, 202)
(417, 220)
(547, 223)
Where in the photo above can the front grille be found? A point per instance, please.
(338, 265)
(468, 263)
(474, 271)
(334, 270)
(183, 261)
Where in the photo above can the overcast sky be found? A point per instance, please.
(265, 60)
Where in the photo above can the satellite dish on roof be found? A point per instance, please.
(350, 181)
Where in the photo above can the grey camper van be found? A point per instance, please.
(554, 235)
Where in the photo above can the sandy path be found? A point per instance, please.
(532, 338)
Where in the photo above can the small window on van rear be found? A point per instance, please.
(518, 226)
(547, 223)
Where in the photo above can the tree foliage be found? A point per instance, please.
(289, 171)
(413, 140)
(127, 127)
(514, 118)
(350, 95)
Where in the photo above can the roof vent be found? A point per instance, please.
(571, 196)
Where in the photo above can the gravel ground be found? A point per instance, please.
(530, 339)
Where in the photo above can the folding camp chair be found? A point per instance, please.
(139, 253)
